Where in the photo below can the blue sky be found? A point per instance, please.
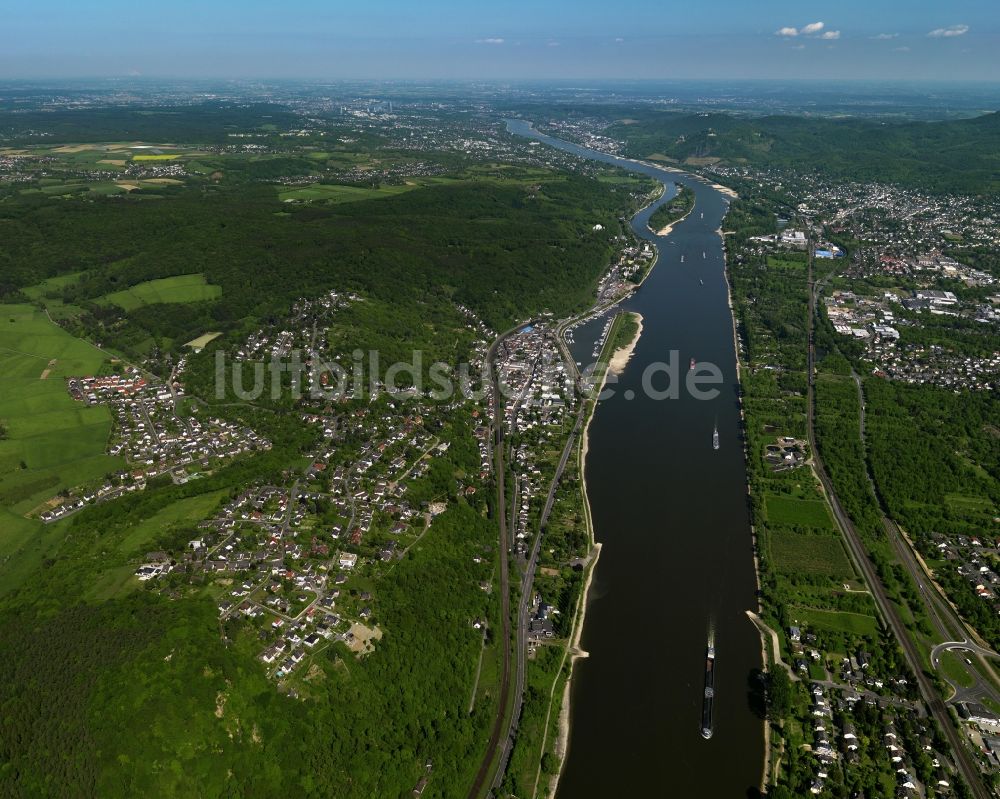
(866, 39)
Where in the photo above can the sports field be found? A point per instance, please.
(180, 288)
(802, 512)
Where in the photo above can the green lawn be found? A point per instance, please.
(839, 621)
(802, 512)
(181, 288)
(954, 668)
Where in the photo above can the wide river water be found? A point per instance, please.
(677, 559)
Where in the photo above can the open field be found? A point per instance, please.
(785, 263)
(52, 285)
(191, 510)
(342, 194)
(182, 288)
(202, 340)
(802, 512)
(963, 502)
(796, 553)
(838, 621)
(52, 442)
(156, 157)
(503, 175)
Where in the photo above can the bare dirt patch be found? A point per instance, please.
(363, 637)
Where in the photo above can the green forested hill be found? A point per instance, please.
(505, 250)
(201, 123)
(954, 155)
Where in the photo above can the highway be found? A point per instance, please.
(963, 759)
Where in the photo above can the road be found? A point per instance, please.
(511, 698)
(946, 620)
(504, 720)
(963, 760)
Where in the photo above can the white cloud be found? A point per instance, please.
(949, 32)
(492, 40)
(901, 49)
(830, 35)
(619, 40)
(553, 44)
(884, 37)
(806, 30)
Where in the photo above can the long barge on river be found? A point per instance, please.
(709, 699)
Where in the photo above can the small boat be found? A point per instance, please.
(715, 437)
(692, 363)
(701, 282)
(682, 259)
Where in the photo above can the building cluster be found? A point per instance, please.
(538, 401)
(153, 435)
(288, 560)
(586, 132)
(852, 712)
(899, 220)
(785, 454)
(880, 321)
(304, 329)
(975, 559)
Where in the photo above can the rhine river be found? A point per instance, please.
(677, 558)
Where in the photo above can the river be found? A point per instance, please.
(671, 514)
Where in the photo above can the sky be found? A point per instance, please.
(471, 39)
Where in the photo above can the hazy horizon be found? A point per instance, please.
(442, 40)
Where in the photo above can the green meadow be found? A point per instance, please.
(50, 442)
(802, 512)
(180, 288)
(837, 621)
(184, 511)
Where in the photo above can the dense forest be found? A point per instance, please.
(505, 251)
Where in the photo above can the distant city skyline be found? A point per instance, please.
(445, 39)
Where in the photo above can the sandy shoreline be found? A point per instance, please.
(573, 649)
(667, 229)
(621, 356)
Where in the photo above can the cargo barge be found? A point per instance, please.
(709, 699)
